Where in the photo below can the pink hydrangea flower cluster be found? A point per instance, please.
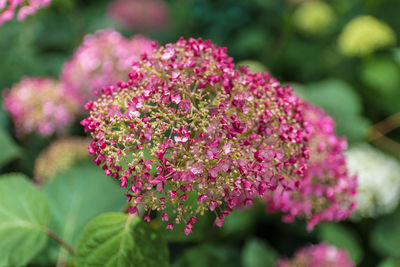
(321, 255)
(148, 15)
(327, 191)
(103, 59)
(39, 105)
(26, 8)
(187, 133)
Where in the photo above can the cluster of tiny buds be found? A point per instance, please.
(189, 133)
(326, 192)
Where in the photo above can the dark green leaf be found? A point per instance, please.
(385, 237)
(389, 263)
(256, 253)
(239, 222)
(209, 255)
(9, 149)
(381, 75)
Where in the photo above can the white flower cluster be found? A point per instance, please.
(378, 180)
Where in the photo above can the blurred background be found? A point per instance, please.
(341, 55)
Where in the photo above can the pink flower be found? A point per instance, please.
(212, 205)
(103, 59)
(184, 104)
(133, 210)
(150, 15)
(321, 255)
(165, 217)
(202, 198)
(327, 191)
(203, 142)
(26, 8)
(40, 105)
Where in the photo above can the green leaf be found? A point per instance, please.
(240, 222)
(3, 119)
(116, 239)
(355, 128)
(385, 237)
(249, 41)
(254, 66)
(24, 216)
(335, 96)
(9, 149)
(256, 253)
(77, 196)
(382, 75)
(342, 237)
(389, 263)
(209, 255)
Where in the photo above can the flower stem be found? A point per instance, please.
(60, 241)
(385, 126)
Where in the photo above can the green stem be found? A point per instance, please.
(60, 241)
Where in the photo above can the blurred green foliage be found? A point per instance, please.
(356, 92)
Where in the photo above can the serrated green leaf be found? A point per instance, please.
(342, 237)
(385, 237)
(256, 253)
(9, 149)
(116, 239)
(77, 196)
(24, 216)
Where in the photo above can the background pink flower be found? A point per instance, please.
(26, 8)
(148, 15)
(39, 105)
(320, 255)
(103, 59)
